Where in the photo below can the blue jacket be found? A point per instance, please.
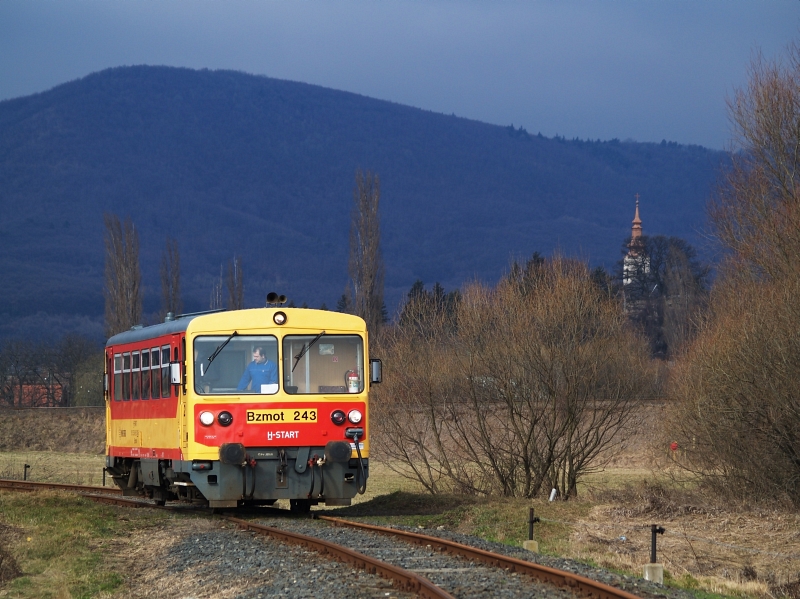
(259, 374)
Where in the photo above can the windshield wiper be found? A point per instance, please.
(305, 350)
(216, 352)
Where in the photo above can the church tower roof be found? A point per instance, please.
(636, 232)
(636, 229)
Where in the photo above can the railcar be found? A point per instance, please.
(194, 412)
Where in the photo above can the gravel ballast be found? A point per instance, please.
(194, 558)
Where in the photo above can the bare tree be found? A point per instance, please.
(757, 211)
(663, 289)
(235, 285)
(528, 388)
(171, 279)
(123, 278)
(738, 412)
(18, 365)
(87, 387)
(215, 302)
(684, 300)
(365, 266)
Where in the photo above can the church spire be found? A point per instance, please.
(636, 231)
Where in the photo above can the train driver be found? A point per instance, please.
(261, 371)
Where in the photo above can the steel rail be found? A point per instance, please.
(576, 583)
(27, 485)
(403, 579)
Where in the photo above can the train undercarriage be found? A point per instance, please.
(242, 476)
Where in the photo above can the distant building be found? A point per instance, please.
(635, 262)
(43, 392)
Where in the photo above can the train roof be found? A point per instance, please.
(256, 318)
(140, 333)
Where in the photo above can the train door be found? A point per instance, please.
(183, 409)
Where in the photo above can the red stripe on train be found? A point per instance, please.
(143, 409)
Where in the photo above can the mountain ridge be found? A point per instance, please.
(230, 163)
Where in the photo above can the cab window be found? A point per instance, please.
(323, 364)
(240, 364)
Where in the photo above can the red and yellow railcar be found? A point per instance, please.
(241, 407)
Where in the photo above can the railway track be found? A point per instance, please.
(450, 569)
(26, 485)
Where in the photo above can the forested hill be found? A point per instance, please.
(235, 164)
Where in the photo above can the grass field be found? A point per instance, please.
(60, 543)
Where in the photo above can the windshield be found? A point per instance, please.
(323, 363)
(239, 364)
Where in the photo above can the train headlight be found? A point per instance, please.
(279, 318)
(354, 416)
(206, 418)
(338, 417)
(225, 418)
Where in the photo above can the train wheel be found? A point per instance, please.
(299, 506)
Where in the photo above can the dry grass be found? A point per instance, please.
(69, 430)
(54, 467)
(739, 549)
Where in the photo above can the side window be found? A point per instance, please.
(136, 376)
(165, 390)
(156, 372)
(126, 377)
(117, 377)
(146, 374)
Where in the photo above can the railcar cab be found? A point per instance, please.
(244, 406)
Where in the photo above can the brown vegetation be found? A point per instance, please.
(740, 408)
(80, 430)
(512, 390)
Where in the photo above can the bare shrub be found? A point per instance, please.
(739, 415)
(739, 418)
(409, 406)
(517, 389)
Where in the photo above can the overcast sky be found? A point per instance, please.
(632, 69)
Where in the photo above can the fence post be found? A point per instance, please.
(25, 471)
(530, 544)
(654, 571)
